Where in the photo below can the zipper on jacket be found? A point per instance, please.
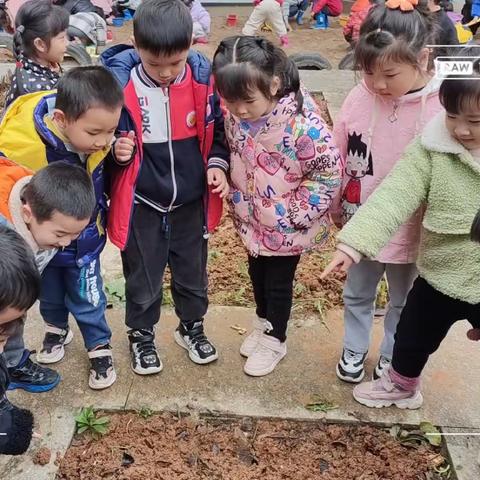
(394, 117)
(170, 150)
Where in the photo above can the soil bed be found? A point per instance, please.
(165, 447)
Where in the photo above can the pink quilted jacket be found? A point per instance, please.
(283, 179)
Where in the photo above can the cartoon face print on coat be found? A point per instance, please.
(357, 166)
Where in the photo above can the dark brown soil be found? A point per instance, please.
(164, 447)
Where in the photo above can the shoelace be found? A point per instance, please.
(146, 347)
(197, 336)
(353, 356)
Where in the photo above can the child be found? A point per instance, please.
(172, 128)
(49, 210)
(331, 8)
(295, 9)
(440, 170)
(284, 173)
(19, 288)
(358, 13)
(391, 106)
(40, 42)
(201, 20)
(77, 125)
(446, 33)
(267, 11)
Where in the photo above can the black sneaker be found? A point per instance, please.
(382, 365)
(350, 368)
(200, 349)
(53, 348)
(102, 371)
(32, 377)
(145, 359)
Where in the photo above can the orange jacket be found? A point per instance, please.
(10, 174)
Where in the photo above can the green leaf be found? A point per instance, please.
(102, 420)
(101, 429)
(319, 404)
(83, 429)
(432, 434)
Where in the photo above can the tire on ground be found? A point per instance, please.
(310, 61)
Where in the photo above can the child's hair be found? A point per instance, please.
(458, 93)
(244, 64)
(475, 230)
(83, 88)
(60, 187)
(19, 276)
(37, 19)
(389, 34)
(163, 27)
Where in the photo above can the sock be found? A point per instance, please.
(406, 383)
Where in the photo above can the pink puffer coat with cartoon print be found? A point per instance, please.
(283, 179)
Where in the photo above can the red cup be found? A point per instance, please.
(231, 20)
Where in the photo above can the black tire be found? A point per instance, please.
(310, 61)
(78, 53)
(75, 51)
(347, 62)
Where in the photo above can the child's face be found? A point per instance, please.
(54, 52)
(163, 69)
(92, 132)
(393, 80)
(58, 232)
(465, 127)
(256, 106)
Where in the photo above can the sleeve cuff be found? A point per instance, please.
(351, 252)
(217, 162)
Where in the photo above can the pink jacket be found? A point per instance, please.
(371, 133)
(283, 179)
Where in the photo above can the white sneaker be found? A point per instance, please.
(102, 371)
(267, 354)
(260, 325)
(351, 368)
(382, 365)
(54, 341)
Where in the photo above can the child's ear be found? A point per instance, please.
(423, 58)
(59, 118)
(40, 45)
(275, 85)
(27, 214)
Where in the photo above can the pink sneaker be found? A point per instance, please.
(384, 393)
(284, 41)
(260, 325)
(267, 354)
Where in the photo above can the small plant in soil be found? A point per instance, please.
(145, 412)
(88, 421)
(319, 404)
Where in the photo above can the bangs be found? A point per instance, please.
(239, 81)
(460, 95)
(59, 20)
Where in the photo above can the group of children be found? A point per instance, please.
(144, 143)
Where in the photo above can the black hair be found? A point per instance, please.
(243, 64)
(37, 19)
(19, 276)
(60, 187)
(356, 146)
(163, 27)
(83, 88)
(460, 93)
(475, 230)
(392, 34)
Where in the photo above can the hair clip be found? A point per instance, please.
(20, 29)
(403, 5)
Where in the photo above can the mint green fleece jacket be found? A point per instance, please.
(438, 172)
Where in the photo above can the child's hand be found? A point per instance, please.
(341, 263)
(217, 178)
(124, 147)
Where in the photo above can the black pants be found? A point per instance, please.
(424, 323)
(272, 281)
(158, 239)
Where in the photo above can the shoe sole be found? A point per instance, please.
(262, 373)
(59, 355)
(194, 358)
(101, 386)
(149, 371)
(349, 379)
(406, 403)
(33, 388)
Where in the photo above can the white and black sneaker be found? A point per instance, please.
(200, 349)
(382, 365)
(350, 368)
(53, 348)
(102, 371)
(144, 356)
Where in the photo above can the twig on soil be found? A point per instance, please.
(128, 424)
